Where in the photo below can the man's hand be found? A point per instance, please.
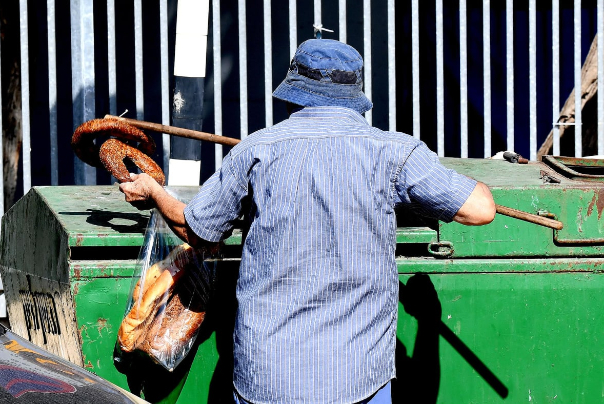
(145, 193)
(141, 191)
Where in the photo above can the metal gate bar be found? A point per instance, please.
(556, 75)
(440, 82)
(25, 95)
(463, 78)
(82, 77)
(165, 80)
(367, 54)
(111, 59)
(600, 23)
(268, 64)
(342, 20)
(391, 68)
(138, 59)
(415, 66)
(293, 28)
(52, 92)
(216, 35)
(242, 68)
(486, 78)
(577, 59)
(509, 43)
(1, 136)
(532, 80)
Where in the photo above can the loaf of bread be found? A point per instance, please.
(158, 283)
(170, 336)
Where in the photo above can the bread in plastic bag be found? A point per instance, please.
(168, 297)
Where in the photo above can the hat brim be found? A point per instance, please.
(307, 92)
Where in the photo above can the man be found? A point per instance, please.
(318, 284)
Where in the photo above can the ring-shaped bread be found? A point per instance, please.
(82, 141)
(112, 155)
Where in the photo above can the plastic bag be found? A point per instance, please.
(168, 298)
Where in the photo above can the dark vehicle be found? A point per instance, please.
(29, 374)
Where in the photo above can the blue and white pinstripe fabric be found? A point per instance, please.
(318, 285)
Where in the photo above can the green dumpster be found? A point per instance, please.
(68, 255)
(521, 315)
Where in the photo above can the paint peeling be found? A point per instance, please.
(580, 220)
(101, 323)
(179, 102)
(600, 202)
(77, 272)
(530, 398)
(79, 239)
(590, 208)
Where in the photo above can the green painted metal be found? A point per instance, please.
(95, 216)
(416, 235)
(430, 265)
(539, 333)
(578, 205)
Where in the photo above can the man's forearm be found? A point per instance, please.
(173, 212)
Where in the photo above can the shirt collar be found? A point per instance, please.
(329, 112)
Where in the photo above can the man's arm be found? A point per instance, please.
(478, 209)
(144, 193)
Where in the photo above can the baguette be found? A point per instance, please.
(154, 296)
(156, 269)
(170, 336)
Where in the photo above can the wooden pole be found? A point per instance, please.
(529, 217)
(173, 130)
(229, 141)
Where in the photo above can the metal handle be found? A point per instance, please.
(441, 248)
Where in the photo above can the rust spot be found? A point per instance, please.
(102, 268)
(600, 202)
(590, 208)
(101, 323)
(77, 271)
(79, 239)
(76, 288)
(88, 365)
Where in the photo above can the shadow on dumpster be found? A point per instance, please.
(418, 376)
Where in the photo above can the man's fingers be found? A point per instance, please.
(133, 176)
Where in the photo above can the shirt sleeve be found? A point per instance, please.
(431, 188)
(211, 213)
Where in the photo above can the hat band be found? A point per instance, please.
(336, 76)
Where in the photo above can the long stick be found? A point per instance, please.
(529, 217)
(229, 141)
(172, 130)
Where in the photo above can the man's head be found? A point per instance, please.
(325, 72)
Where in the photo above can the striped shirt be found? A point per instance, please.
(318, 284)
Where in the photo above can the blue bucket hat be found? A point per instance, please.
(325, 72)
